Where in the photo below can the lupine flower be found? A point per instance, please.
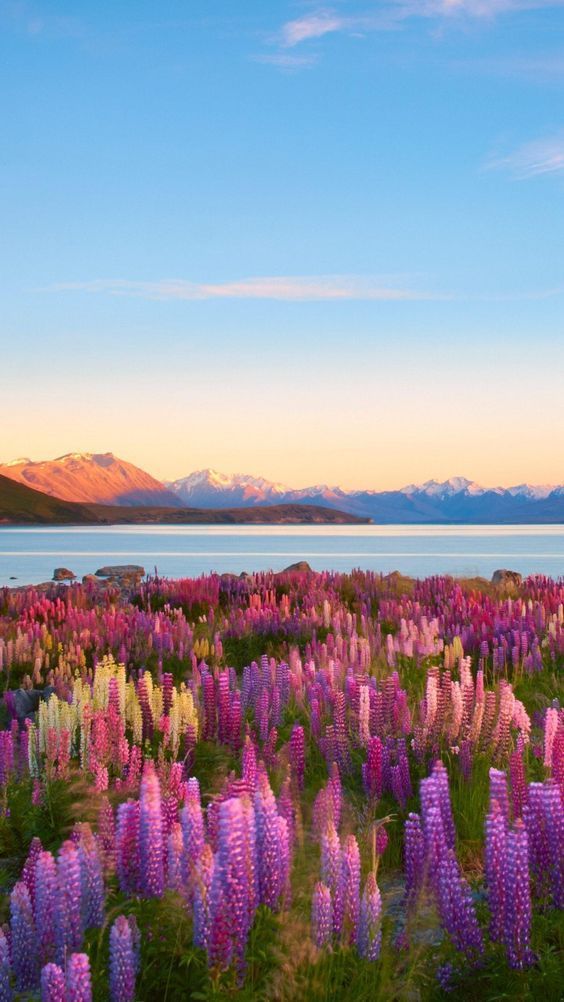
(174, 858)
(495, 870)
(321, 915)
(24, 951)
(518, 900)
(351, 885)
(332, 873)
(122, 962)
(92, 880)
(268, 845)
(68, 915)
(369, 937)
(6, 994)
(203, 873)
(28, 872)
(456, 909)
(553, 810)
(79, 985)
(151, 852)
(46, 899)
(53, 986)
(230, 920)
(297, 754)
(414, 853)
(127, 847)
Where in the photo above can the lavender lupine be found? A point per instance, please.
(151, 849)
(174, 858)
(553, 810)
(518, 899)
(53, 985)
(202, 880)
(297, 754)
(92, 879)
(351, 885)
(46, 901)
(456, 909)
(495, 870)
(332, 873)
(122, 962)
(192, 821)
(68, 917)
(268, 844)
(28, 872)
(369, 937)
(321, 915)
(6, 993)
(230, 918)
(23, 941)
(414, 855)
(79, 982)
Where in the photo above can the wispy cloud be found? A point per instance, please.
(286, 60)
(283, 288)
(534, 159)
(327, 20)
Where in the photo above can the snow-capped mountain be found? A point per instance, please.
(99, 478)
(456, 500)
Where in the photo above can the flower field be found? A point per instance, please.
(284, 787)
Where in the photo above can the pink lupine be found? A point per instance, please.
(351, 885)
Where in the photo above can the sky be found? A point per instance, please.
(317, 243)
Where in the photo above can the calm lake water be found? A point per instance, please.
(30, 554)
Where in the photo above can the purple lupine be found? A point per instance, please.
(456, 909)
(92, 879)
(249, 764)
(79, 982)
(498, 791)
(351, 885)
(127, 847)
(151, 850)
(23, 941)
(28, 872)
(53, 987)
(287, 810)
(440, 776)
(553, 811)
(192, 821)
(518, 899)
(518, 781)
(495, 870)
(68, 915)
(297, 754)
(122, 962)
(46, 898)
(107, 835)
(135, 943)
(230, 918)
(203, 873)
(268, 844)
(414, 856)
(369, 937)
(6, 994)
(321, 915)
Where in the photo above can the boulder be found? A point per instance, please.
(505, 578)
(301, 567)
(63, 574)
(121, 571)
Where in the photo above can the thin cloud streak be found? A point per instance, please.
(535, 159)
(281, 288)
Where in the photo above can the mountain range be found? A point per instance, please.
(102, 478)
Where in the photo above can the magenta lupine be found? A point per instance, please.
(23, 939)
(369, 936)
(127, 847)
(249, 764)
(518, 899)
(321, 915)
(351, 885)
(122, 962)
(381, 840)
(79, 982)
(107, 835)
(287, 810)
(518, 781)
(297, 754)
(6, 993)
(372, 768)
(68, 916)
(202, 880)
(92, 879)
(53, 986)
(495, 870)
(285, 861)
(151, 850)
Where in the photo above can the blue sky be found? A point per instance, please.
(316, 242)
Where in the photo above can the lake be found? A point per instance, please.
(29, 554)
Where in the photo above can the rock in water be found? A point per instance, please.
(504, 578)
(63, 574)
(120, 571)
